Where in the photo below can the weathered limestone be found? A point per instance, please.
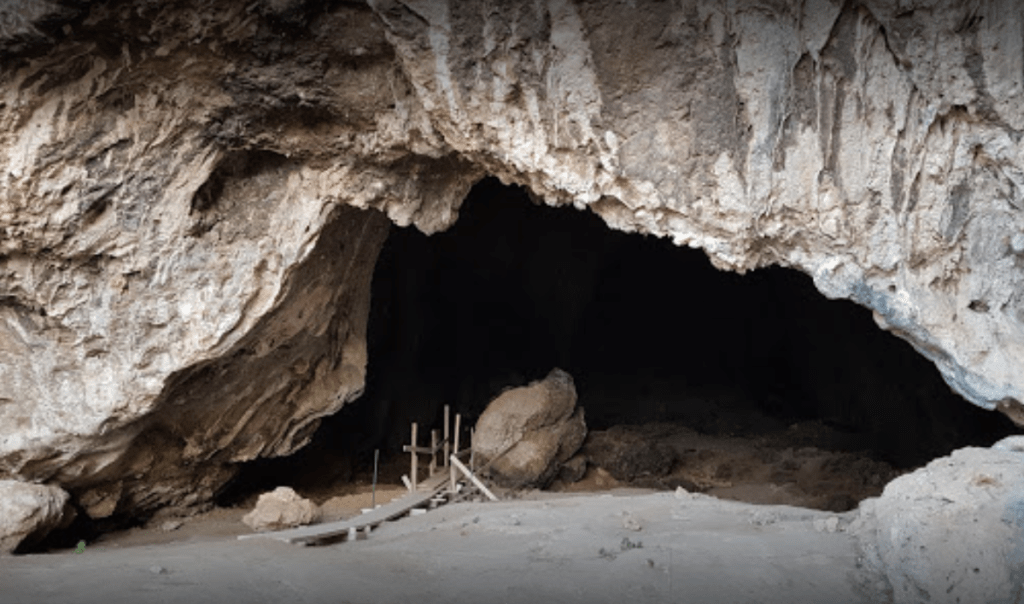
(950, 532)
(29, 512)
(873, 149)
(190, 209)
(527, 433)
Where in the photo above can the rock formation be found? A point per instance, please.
(950, 532)
(192, 195)
(30, 511)
(526, 434)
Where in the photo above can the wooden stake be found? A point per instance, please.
(458, 426)
(412, 472)
(446, 436)
(472, 453)
(433, 452)
(376, 458)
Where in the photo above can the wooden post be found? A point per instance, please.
(446, 436)
(458, 426)
(433, 452)
(412, 472)
(451, 467)
(376, 458)
(472, 453)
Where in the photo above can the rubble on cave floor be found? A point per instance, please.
(807, 464)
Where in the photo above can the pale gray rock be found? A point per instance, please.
(29, 511)
(529, 432)
(279, 509)
(952, 531)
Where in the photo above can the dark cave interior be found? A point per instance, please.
(650, 332)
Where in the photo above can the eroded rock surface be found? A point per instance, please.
(192, 195)
(874, 149)
(187, 241)
(950, 532)
(525, 434)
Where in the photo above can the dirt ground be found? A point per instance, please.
(599, 539)
(806, 464)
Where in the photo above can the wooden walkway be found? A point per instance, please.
(319, 532)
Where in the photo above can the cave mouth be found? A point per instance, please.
(761, 385)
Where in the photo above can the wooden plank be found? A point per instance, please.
(420, 450)
(317, 532)
(423, 450)
(458, 464)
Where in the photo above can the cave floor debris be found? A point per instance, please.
(401, 506)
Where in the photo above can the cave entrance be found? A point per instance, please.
(752, 387)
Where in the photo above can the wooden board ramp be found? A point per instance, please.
(426, 490)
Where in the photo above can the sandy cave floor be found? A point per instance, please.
(689, 548)
(572, 543)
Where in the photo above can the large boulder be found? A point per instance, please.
(529, 432)
(29, 511)
(279, 509)
(950, 532)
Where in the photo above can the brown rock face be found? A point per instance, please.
(193, 195)
(529, 432)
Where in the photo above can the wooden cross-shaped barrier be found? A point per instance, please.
(414, 449)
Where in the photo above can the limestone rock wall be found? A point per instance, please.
(875, 149)
(187, 191)
(187, 240)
